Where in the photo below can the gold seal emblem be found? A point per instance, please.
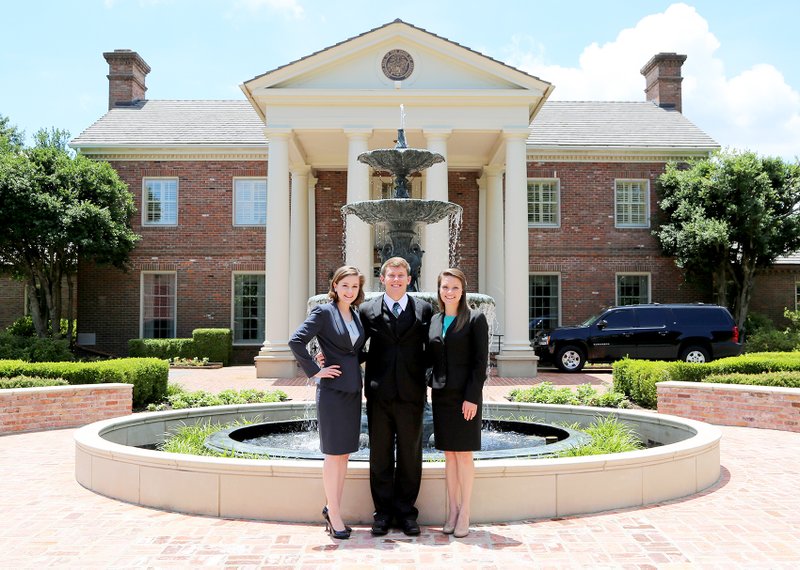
(397, 65)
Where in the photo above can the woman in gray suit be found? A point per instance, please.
(338, 330)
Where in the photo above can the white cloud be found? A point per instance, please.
(754, 110)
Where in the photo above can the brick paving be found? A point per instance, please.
(749, 519)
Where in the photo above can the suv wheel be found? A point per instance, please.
(696, 354)
(570, 359)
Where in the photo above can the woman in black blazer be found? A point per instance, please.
(459, 347)
(338, 330)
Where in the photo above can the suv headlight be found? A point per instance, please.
(544, 340)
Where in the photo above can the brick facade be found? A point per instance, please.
(587, 250)
(775, 291)
(204, 250)
(12, 301)
(764, 407)
(56, 407)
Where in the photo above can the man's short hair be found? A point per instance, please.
(395, 262)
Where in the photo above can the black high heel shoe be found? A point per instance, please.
(340, 534)
(325, 514)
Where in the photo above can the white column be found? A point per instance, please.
(481, 284)
(275, 360)
(495, 252)
(298, 247)
(437, 236)
(517, 358)
(358, 247)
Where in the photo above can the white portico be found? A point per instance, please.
(322, 111)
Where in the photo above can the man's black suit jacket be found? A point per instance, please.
(395, 363)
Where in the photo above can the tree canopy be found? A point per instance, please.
(57, 209)
(727, 216)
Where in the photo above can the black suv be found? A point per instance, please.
(690, 332)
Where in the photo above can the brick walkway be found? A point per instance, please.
(750, 519)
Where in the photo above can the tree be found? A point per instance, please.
(11, 138)
(57, 209)
(727, 216)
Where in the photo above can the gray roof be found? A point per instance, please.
(176, 123)
(625, 125)
(790, 259)
(559, 125)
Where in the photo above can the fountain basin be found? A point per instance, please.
(291, 490)
(408, 210)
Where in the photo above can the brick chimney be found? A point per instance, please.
(663, 80)
(126, 75)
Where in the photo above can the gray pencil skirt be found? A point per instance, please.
(339, 421)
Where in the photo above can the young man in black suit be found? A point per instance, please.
(397, 328)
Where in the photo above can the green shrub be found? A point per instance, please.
(786, 379)
(164, 348)
(609, 435)
(771, 340)
(637, 378)
(189, 439)
(33, 348)
(23, 326)
(586, 395)
(214, 344)
(148, 375)
(30, 382)
(178, 398)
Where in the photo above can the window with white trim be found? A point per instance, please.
(544, 203)
(796, 296)
(632, 203)
(544, 302)
(158, 305)
(633, 288)
(249, 295)
(250, 202)
(160, 202)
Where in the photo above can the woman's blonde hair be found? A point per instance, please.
(341, 273)
(462, 316)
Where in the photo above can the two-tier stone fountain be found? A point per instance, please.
(402, 214)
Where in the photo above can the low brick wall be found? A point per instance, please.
(732, 404)
(53, 407)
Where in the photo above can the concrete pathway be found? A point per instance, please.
(749, 519)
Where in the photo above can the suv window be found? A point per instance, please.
(650, 317)
(711, 316)
(619, 320)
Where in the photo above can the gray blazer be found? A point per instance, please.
(327, 325)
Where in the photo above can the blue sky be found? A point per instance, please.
(742, 75)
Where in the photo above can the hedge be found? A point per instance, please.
(148, 375)
(214, 344)
(30, 382)
(637, 378)
(784, 379)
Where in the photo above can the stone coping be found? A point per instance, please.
(291, 490)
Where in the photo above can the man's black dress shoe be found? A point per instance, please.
(380, 527)
(410, 527)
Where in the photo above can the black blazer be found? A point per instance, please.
(395, 363)
(326, 323)
(461, 357)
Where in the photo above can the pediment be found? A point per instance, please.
(358, 64)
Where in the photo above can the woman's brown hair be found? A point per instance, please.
(462, 316)
(341, 273)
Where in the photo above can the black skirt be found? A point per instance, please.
(338, 420)
(451, 431)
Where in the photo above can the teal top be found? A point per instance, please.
(446, 323)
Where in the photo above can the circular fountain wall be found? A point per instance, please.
(107, 462)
